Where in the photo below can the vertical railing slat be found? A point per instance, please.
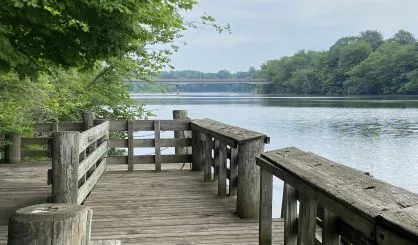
(220, 159)
(233, 166)
(157, 145)
(290, 217)
(329, 233)
(208, 158)
(130, 145)
(266, 199)
(307, 220)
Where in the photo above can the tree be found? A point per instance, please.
(404, 37)
(373, 37)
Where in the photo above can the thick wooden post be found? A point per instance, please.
(329, 232)
(248, 196)
(65, 159)
(88, 121)
(181, 150)
(266, 200)
(13, 148)
(198, 151)
(50, 224)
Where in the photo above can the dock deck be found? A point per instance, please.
(142, 207)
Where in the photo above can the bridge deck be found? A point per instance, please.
(143, 207)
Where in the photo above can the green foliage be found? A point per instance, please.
(365, 64)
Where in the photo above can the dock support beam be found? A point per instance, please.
(248, 196)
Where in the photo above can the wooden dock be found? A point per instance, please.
(143, 207)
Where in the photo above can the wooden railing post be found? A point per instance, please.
(266, 200)
(130, 145)
(248, 195)
(207, 157)
(13, 148)
(198, 151)
(307, 220)
(329, 231)
(65, 160)
(290, 196)
(233, 166)
(181, 150)
(220, 160)
(157, 144)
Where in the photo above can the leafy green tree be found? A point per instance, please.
(373, 37)
(404, 37)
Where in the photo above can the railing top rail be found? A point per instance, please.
(93, 134)
(346, 190)
(233, 135)
(148, 125)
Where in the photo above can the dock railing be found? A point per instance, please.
(78, 160)
(226, 152)
(357, 208)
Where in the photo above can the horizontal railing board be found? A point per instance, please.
(231, 135)
(64, 126)
(35, 141)
(357, 198)
(91, 159)
(150, 159)
(93, 134)
(148, 125)
(35, 153)
(86, 188)
(123, 143)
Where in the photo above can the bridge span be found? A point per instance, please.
(209, 81)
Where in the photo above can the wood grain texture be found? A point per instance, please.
(307, 220)
(130, 126)
(220, 160)
(170, 207)
(50, 224)
(93, 134)
(266, 202)
(230, 134)
(88, 186)
(157, 151)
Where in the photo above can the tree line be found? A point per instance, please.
(366, 64)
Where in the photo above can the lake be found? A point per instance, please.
(374, 134)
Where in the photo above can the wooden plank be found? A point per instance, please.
(230, 134)
(70, 126)
(85, 189)
(88, 162)
(165, 125)
(35, 153)
(233, 179)
(34, 141)
(220, 158)
(123, 143)
(157, 145)
(208, 158)
(355, 197)
(307, 220)
(149, 159)
(329, 231)
(130, 145)
(92, 135)
(106, 242)
(290, 223)
(118, 125)
(266, 202)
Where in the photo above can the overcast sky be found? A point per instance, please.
(268, 29)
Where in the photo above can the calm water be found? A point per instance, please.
(374, 134)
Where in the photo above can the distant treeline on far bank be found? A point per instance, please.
(366, 64)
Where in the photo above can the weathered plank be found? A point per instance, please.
(266, 202)
(62, 126)
(220, 159)
(123, 143)
(231, 135)
(356, 198)
(290, 224)
(85, 189)
(307, 220)
(149, 159)
(130, 145)
(12, 150)
(207, 153)
(329, 231)
(34, 153)
(90, 136)
(157, 152)
(233, 176)
(91, 159)
(34, 141)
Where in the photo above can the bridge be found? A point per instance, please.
(209, 81)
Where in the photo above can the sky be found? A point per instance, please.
(263, 30)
